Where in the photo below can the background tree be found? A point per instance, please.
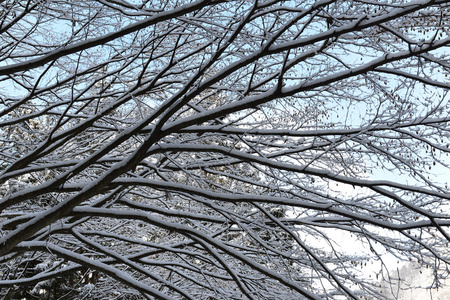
(221, 149)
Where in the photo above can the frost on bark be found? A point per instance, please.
(222, 149)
